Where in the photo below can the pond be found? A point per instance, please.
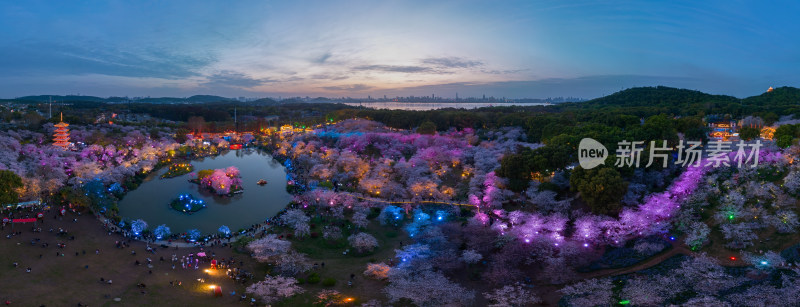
(150, 202)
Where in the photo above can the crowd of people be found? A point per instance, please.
(155, 259)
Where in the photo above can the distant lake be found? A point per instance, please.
(150, 201)
(424, 106)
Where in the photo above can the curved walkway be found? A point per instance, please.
(111, 227)
(650, 262)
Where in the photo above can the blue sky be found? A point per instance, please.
(359, 48)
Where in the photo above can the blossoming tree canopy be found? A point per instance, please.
(274, 288)
(221, 181)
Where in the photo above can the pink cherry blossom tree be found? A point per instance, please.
(515, 295)
(274, 288)
(363, 242)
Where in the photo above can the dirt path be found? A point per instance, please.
(650, 262)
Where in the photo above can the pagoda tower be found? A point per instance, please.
(61, 136)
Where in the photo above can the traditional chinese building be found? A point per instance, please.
(61, 135)
(752, 122)
(287, 129)
(722, 130)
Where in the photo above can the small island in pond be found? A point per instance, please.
(178, 169)
(187, 203)
(220, 181)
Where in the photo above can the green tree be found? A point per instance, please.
(601, 188)
(749, 133)
(427, 127)
(784, 135)
(783, 141)
(770, 118)
(180, 135)
(9, 183)
(204, 173)
(516, 169)
(76, 197)
(659, 127)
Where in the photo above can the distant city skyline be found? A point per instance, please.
(512, 49)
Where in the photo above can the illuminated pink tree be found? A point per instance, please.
(274, 288)
(266, 248)
(363, 242)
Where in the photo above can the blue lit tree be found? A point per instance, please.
(224, 230)
(412, 253)
(94, 188)
(193, 234)
(440, 215)
(391, 214)
(138, 226)
(162, 231)
(421, 220)
(96, 191)
(115, 188)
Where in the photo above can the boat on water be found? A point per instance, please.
(261, 182)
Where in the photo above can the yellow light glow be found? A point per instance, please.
(212, 287)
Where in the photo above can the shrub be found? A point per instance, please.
(373, 213)
(313, 278)
(329, 282)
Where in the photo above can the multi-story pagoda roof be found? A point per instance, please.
(61, 135)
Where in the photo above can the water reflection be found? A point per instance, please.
(150, 201)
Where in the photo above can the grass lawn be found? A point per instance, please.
(339, 266)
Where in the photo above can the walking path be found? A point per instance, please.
(651, 262)
(235, 236)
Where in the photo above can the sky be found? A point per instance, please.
(512, 49)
